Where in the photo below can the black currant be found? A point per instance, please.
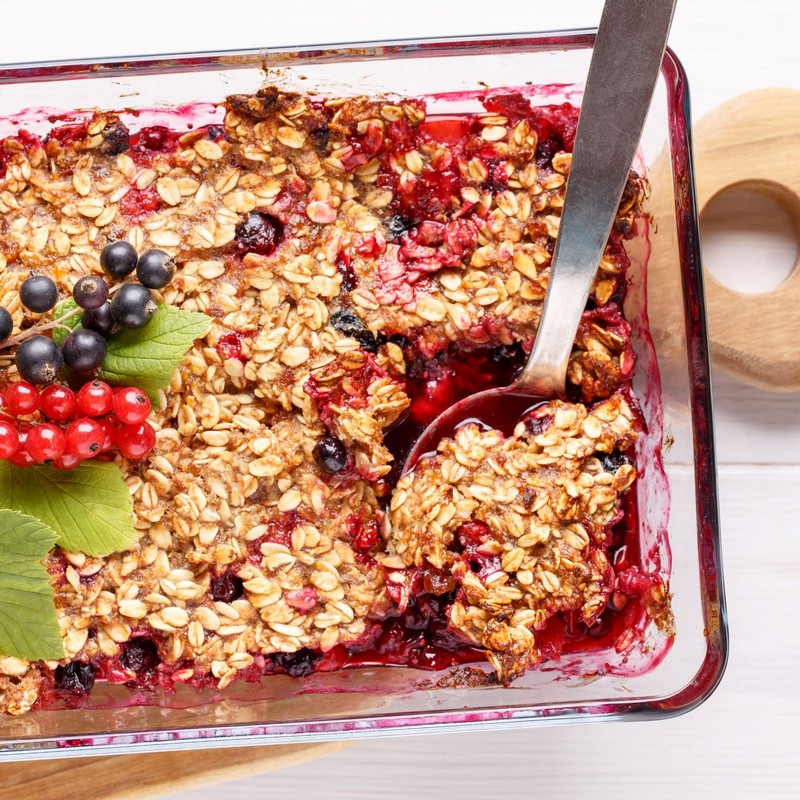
(330, 454)
(39, 360)
(6, 324)
(118, 259)
(155, 269)
(76, 678)
(99, 319)
(133, 306)
(90, 291)
(84, 350)
(38, 293)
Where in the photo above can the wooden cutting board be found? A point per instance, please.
(140, 777)
(752, 142)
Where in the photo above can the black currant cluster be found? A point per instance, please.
(39, 359)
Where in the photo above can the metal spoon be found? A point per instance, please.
(625, 63)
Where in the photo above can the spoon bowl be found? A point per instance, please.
(499, 409)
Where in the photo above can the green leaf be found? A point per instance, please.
(146, 357)
(64, 307)
(28, 624)
(89, 507)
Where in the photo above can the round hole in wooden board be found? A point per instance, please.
(749, 240)
(753, 143)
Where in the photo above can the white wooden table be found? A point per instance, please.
(744, 742)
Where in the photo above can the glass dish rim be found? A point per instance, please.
(712, 590)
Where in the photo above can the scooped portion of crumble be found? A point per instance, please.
(520, 524)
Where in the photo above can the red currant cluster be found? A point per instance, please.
(64, 428)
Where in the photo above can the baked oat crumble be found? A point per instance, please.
(340, 248)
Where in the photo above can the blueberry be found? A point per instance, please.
(347, 322)
(84, 350)
(227, 587)
(350, 324)
(215, 132)
(133, 306)
(330, 454)
(259, 233)
(6, 324)
(397, 225)
(612, 461)
(155, 269)
(99, 319)
(76, 678)
(38, 293)
(140, 655)
(297, 665)
(116, 139)
(39, 360)
(90, 291)
(367, 341)
(548, 147)
(320, 136)
(118, 259)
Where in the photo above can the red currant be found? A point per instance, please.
(3, 401)
(131, 405)
(67, 461)
(22, 458)
(45, 442)
(84, 438)
(136, 441)
(58, 402)
(110, 432)
(94, 399)
(9, 439)
(22, 398)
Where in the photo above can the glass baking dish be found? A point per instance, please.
(678, 523)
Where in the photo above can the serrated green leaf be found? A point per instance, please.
(147, 357)
(89, 507)
(28, 624)
(64, 307)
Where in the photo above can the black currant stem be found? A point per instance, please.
(37, 329)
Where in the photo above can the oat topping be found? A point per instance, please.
(520, 523)
(337, 245)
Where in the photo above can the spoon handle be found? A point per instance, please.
(625, 64)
